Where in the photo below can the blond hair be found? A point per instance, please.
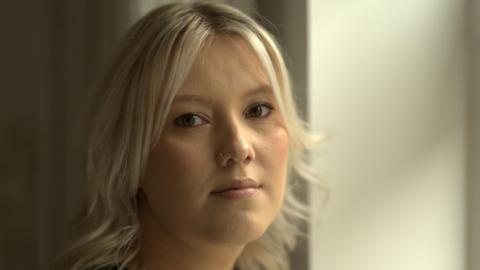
(138, 88)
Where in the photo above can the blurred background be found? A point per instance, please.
(393, 83)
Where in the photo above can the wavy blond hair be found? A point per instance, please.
(138, 88)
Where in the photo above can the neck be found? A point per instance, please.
(179, 257)
(161, 250)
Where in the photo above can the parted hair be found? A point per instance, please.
(137, 90)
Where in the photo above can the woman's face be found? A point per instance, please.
(218, 172)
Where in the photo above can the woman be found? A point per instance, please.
(194, 140)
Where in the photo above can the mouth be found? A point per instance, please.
(238, 189)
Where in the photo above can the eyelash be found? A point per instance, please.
(177, 121)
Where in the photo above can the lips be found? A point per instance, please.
(238, 189)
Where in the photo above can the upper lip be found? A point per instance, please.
(238, 183)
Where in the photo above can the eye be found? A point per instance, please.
(189, 120)
(260, 110)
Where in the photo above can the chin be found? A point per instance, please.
(237, 231)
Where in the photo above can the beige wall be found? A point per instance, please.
(388, 82)
(473, 240)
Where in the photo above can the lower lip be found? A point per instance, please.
(237, 193)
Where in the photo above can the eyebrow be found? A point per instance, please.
(264, 89)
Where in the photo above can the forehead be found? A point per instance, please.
(225, 64)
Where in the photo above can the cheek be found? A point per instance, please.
(175, 168)
(280, 147)
(274, 154)
(175, 156)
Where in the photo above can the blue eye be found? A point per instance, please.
(189, 120)
(260, 110)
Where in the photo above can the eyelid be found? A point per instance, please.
(265, 104)
(191, 114)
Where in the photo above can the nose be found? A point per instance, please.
(235, 145)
